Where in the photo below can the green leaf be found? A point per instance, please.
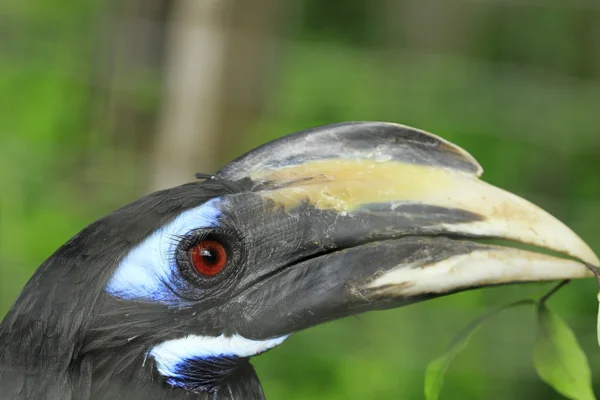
(436, 370)
(558, 358)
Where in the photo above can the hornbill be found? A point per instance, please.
(170, 296)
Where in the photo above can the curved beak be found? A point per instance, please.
(398, 216)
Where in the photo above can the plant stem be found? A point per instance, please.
(552, 291)
(594, 271)
(478, 321)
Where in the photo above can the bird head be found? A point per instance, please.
(176, 291)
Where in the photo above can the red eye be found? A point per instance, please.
(208, 257)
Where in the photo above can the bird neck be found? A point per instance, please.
(198, 379)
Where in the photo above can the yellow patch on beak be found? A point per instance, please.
(344, 185)
(347, 185)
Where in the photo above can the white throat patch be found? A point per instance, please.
(170, 355)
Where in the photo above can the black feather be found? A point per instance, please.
(65, 339)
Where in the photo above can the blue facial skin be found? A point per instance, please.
(148, 271)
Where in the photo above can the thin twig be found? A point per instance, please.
(552, 291)
(479, 320)
(596, 273)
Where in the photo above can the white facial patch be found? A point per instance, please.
(172, 354)
(148, 270)
(483, 267)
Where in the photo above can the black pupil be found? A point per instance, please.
(210, 257)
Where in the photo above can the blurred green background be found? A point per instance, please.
(104, 101)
